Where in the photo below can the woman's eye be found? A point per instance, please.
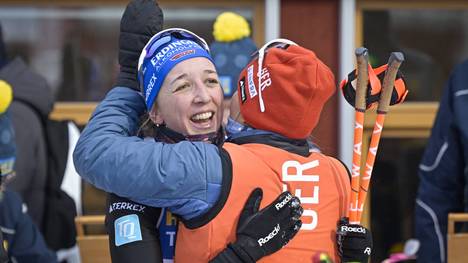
(212, 81)
(181, 87)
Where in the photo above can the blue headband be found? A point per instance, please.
(162, 58)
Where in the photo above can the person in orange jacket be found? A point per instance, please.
(279, 98)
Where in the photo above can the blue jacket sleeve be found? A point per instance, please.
(443, 170)
(184, 177)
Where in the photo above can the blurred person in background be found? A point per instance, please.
(32, 102)
(42, 157)
(443, 170)
(231, 52)
(22, 240)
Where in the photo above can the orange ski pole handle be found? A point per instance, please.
(394, 62)
(362, 78)
(360, 108)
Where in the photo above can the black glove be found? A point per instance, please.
(140, 21)
(354, 242)
(261, 233)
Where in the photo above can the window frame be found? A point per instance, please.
(411, 119)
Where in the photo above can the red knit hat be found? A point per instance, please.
(294, 86)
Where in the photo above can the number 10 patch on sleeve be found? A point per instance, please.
(127, 230)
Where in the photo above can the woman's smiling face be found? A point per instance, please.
(190, 99)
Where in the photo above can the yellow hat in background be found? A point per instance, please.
(6, 95)
(229, 27)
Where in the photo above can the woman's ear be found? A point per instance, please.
(155, 115)
(234, 112)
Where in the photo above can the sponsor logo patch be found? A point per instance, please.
(353, 229)
(278, 206)
(126, 206)
(264, 240)
(242, 89)
(127, 230)
(168, 50)
(250, 79)
(182, 54)
(150, 86)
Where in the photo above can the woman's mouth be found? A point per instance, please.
(203, 121)
(202, 117)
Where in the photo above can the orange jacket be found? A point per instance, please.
(321, 182)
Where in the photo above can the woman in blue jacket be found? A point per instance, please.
(184, 100)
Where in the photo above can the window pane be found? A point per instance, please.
(433, 42)
(76, 49)
(393, 194)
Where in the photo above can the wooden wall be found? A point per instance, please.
(314, 25)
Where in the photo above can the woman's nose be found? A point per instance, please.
(202, 94)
